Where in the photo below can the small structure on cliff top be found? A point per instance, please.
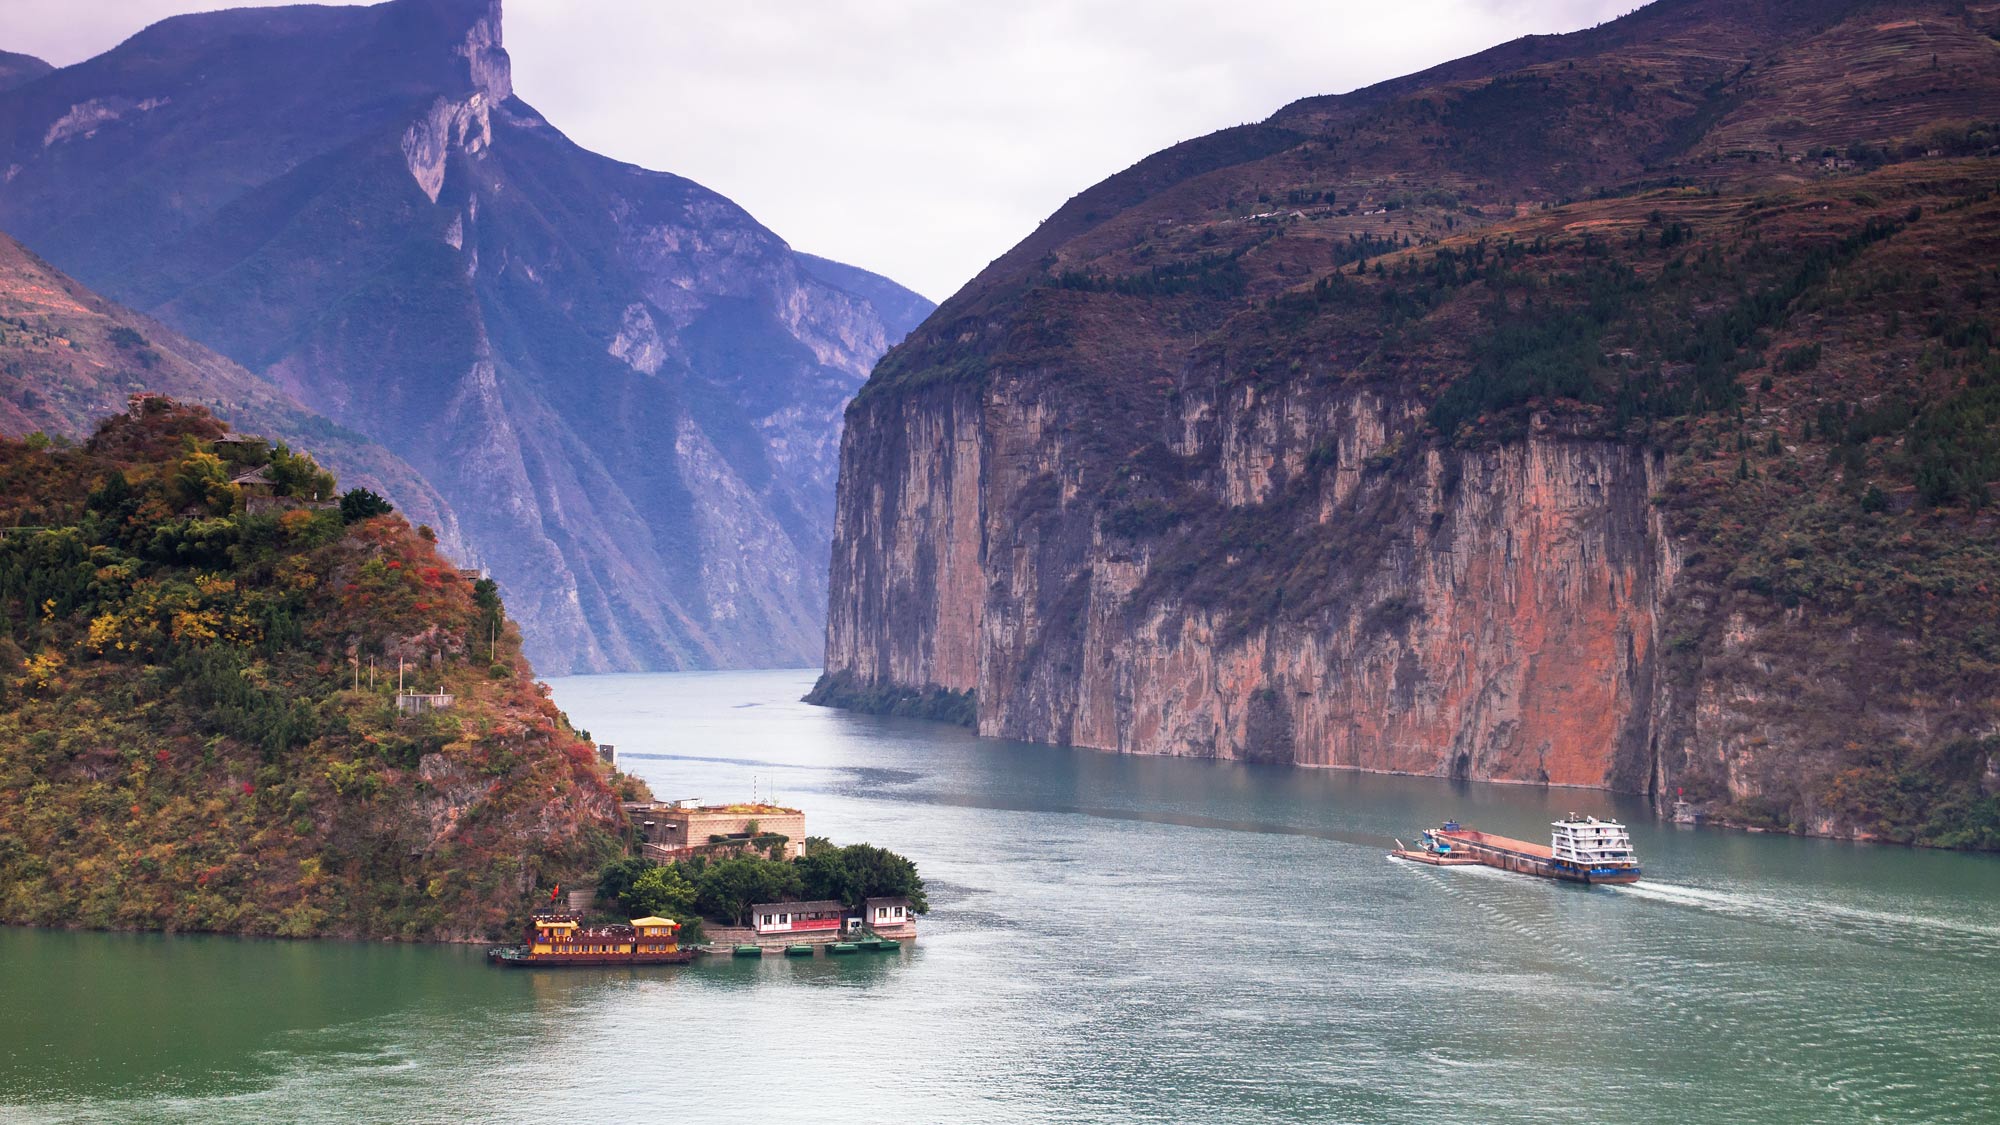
(256, 482)
(672, 831)
(416, 703)
(260, 494)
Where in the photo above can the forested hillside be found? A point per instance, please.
(198, 717)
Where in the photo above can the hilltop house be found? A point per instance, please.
(675, 830)
(260, 494)
(416, 703)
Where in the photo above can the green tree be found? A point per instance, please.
(662, 892)
(357, 504)
(880, 873)
(297, 474)
(199, 478)
(615, 880)
(823, 874)
(727, 888)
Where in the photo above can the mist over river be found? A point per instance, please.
(1113, 939)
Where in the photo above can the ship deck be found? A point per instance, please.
(1435, 859)
(1472, 838)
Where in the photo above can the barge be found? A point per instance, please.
(1580, 850)
(560, 938)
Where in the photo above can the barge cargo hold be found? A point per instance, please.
(1580, 850)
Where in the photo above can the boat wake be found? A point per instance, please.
(1896, 927)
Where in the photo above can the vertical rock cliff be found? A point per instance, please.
(1574, 414)
(1488, 614)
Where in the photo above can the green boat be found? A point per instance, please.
(843, 947)
(798, 951)
(749, 951)
(888, 943)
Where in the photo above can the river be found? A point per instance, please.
(1112, 939)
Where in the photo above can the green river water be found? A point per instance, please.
(1112, 939)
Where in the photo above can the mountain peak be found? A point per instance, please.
(486, 61)
(18, 69)
(471, 28)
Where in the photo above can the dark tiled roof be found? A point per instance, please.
(824, 906)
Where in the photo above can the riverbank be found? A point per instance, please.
(1348, 987)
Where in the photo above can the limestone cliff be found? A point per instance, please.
(1496, 618)
(1521, 421)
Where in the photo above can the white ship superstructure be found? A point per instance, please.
(1600, 848)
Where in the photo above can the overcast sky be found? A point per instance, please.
(917, 138)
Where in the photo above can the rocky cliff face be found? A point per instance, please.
(1520, 421)
(626, 389)
(1497, 616)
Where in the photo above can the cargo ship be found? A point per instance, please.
(559, 938)
(1580, 849)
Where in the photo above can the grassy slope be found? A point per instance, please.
(184, 745)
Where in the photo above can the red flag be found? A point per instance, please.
(554, 893)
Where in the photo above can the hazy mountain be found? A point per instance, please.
(16, 69)
(627, 389)
(1612, 409)
(69, 358)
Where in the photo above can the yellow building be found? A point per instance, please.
(656, 935)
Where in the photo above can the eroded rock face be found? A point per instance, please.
(1510, 633)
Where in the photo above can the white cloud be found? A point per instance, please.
(918, 138)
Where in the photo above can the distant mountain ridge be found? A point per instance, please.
(16, 69)
(69, 358)
(627, 389)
